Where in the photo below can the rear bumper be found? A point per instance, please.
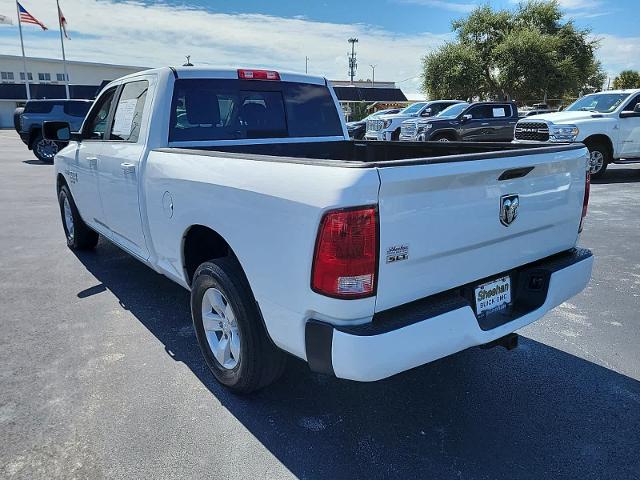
(420, 332)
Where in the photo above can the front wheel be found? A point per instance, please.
(45, 150)
(599, 159)
(79, 235)
(229, 328)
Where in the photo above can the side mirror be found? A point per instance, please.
(426, 112)
(57, 131)
(60, 132)
(466, 117)
(636, 109)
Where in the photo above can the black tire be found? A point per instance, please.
(82, 237)
(441, 137)
(395, 135)
(595, 148)
(260, 361)
(45, 150)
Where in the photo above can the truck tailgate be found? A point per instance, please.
(440, 223)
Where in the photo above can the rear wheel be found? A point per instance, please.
(229, 328)
(599, 158)
(79, 235)
(45, 150)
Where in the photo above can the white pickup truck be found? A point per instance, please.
(363, 258)
(608, 123)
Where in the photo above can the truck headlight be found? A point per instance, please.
(563, 133)
(386, 124)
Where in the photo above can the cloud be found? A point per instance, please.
(618, 53)
(160, 34)
(444, 5)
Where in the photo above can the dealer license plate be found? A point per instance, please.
(493, 296)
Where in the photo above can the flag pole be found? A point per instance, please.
(24, 59)
(64, 58)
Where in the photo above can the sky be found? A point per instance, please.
(393, 35)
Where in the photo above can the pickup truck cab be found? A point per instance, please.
(468, 122)
(36, 112)
(387, 127)
(608, 123)
(358, 257)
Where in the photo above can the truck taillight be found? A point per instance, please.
(244, 74)
(585, 201)
(346, 255)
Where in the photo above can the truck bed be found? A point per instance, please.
(363, 154)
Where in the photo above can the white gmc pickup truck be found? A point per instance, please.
(608, 123)
(363, 258)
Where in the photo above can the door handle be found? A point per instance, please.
(93, 162)
(485, 124)
(128, 168)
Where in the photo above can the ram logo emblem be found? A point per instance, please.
(509, 209)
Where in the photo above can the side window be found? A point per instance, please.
(76, 109)
(128, 115)
(632, 104)
(480, 112)
(438, 107)
(500, 111)
(95, 125)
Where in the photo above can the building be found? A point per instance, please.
(363, 97)
(46, 80)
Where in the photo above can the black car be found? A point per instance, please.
(358, 128)
(471, 122)
(28, 123)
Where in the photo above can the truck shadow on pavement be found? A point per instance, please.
(536, 412)
(616, 174)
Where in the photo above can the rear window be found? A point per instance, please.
(39, 107)
(246, 109)
(77, 109)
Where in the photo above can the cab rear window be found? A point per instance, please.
(250, 109)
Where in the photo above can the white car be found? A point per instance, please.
(363, 259)
(387, 127)
(608, 123)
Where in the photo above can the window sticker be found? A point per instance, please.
(499, 112)
(123, 122)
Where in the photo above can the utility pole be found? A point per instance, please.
(353, 64)
(373, 75)
(306, 64)
(188, 62)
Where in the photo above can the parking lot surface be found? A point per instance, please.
(101, 376)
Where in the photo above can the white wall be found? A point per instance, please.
(80, 73)
(6, 113)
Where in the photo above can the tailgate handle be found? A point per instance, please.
(515, 173)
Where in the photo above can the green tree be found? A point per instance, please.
(529, 53)
(627, 79)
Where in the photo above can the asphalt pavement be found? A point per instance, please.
(101, 376)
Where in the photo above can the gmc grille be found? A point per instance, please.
(537, 131)
(374, 125)
(408, 129)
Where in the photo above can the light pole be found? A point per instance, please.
(306, 64)
(188, 62)
(373, 75)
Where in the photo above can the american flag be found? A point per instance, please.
(26, 17)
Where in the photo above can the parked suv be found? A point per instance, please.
(387, 127)
(473, 122)
(38, 111)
